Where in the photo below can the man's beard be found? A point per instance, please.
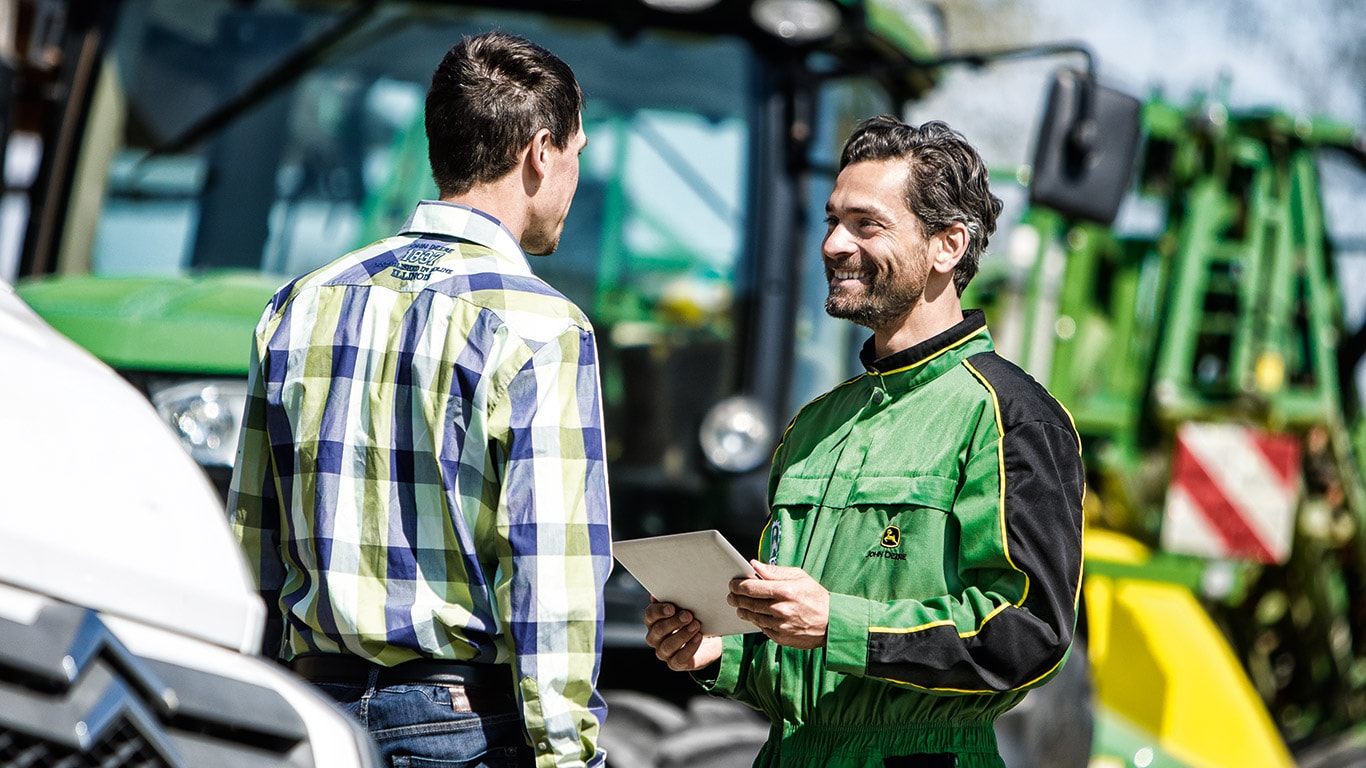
(542, 236)
(540, 243)
(883, 303)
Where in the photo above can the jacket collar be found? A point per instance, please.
(973, 324)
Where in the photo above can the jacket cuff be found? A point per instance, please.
(846, 638)
(727, 674)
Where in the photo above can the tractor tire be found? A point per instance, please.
(644, 731)
(1344, 751)
(636, 723)
(714, 745)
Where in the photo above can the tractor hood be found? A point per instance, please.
(100, 502)
(186, 324)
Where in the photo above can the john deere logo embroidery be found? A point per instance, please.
(891, 539)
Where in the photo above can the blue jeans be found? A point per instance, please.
(430, 725)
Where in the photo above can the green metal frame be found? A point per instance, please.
(1229, 312)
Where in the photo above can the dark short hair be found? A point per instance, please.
(489, 96)
(947, 183)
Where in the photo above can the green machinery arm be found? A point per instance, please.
(1225, 310)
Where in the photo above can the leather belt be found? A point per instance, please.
(339, 668)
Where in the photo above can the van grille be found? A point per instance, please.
(121, 747)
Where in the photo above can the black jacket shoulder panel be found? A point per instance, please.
(1022, 399)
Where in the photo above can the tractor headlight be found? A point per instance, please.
(736, 435)
(796, 21)
(205, 414)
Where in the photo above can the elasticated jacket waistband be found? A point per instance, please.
(794, 744)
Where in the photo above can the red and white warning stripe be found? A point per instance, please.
(1234, 491)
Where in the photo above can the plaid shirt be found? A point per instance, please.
(421, 469)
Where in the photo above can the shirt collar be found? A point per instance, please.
(974, 321)
(438, 217)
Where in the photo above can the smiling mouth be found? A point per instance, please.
(845, 275)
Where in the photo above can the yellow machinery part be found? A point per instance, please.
(1160, 662)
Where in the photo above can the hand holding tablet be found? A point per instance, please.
(693, 571)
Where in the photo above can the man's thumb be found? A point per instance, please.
(767, 571)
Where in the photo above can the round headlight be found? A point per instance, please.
(736, 435)
(796, 21)
(206, 415)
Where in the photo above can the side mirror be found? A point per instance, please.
(1084, 158)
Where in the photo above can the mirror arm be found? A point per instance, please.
(974, 59)
(979, 59)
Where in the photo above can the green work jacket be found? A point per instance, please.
(938, 497)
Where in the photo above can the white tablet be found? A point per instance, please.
(691, 570)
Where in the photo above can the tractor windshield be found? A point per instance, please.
(273, 137)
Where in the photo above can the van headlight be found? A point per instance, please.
(205, 414)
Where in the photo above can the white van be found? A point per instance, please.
(129, 627)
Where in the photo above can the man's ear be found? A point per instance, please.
(538, 153)
(949, 246)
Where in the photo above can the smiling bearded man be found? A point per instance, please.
(924, 549)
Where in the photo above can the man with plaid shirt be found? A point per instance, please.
(421, 487)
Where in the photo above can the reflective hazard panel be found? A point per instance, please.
(1233, 494)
